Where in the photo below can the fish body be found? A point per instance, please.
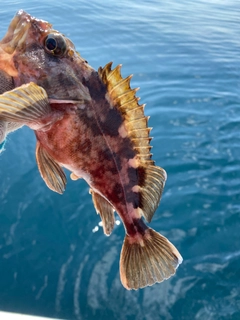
(90, 123)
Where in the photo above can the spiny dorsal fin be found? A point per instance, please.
(124, 98)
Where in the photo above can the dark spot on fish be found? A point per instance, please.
(116, 195)
(117, 160)
(105, 155)
(113, 170)
(86, 146)
(133, 197)
(52, 58)
(133, 176)
(98, 90)
(127, 150)
(137, 226)
(117, 188)
(45, 83)
(96, 87)
(112, 122)
(141, 176)
(98, 173)
(66, 81)
(108, 156)
(89, 122)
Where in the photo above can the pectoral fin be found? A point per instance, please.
(13, 126)
(3, 131)
(5, 128)
(105, 210)
(27, 103)
(51, 172)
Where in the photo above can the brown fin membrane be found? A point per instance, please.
(149, 259)
(24, 104)
(151, 189)
(136, 124)
(105, 210)
(51, 172)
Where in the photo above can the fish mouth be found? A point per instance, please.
(19, 29)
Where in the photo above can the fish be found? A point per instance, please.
(90, 123)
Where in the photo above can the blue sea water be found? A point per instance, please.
(54, 258)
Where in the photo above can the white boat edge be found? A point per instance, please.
(20, 316)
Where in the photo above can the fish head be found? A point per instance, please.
(32, 51)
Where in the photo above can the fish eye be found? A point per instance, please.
(55, 44)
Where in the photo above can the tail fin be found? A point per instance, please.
(147, 259)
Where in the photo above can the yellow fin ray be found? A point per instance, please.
(132, 114)
(147, 260)
(151, 188)
(125, 97)
(120, 86)
(136, 124)
(23, 104)
(122, 97)
(50, 170)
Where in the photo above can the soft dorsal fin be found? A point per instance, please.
(51, 172)
(150, 189)
(105, 210)
(124, 98)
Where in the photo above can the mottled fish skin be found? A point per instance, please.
(88, 143)
(91, 124)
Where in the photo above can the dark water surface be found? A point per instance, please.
(54, 259)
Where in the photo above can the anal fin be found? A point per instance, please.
(50, 170)
(105, 210)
